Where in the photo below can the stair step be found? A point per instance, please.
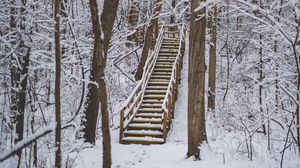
(173, 47)
(171, 39)
(142, 133)
(163, 66)
(170, 44)
(150, 115)
(152, 96)
(166, 54)
(158, 80)
(156, 91)
(144, 126)
(162, 73)
(150, 110)
(146, 120)
(155, 105)
(165, 59)
(152, 101)
(156, 88)
(143, 140)
(158, 83)
(174, 52)
(168, 64)
(161, 77)
(168, 49)
(162, 70)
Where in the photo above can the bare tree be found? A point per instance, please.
(19, 70)
(97, 93)
(57, 84)
(196, 83)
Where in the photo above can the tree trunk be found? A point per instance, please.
(261, 76)
(172, 19)
(157, 9)
(97, 93)
(151, 31)
(196, 82)
(133, 18)
(57, 85)
(212, 57)
(19, 74)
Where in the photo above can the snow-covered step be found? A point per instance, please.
(163, 66)
(150, 110)
(158, 83)
(170, 44)
(150, 115)
(142, 133)
(143, 140)
(159, 80)
(166, 53)
(155, 105)
(163, 88)
(168, 49)
(171, 39)
(153, 101)
(162, 70)
(152, 96)
(164, 63)
(148, 91)
(146, 120)
(164, 47)
(168, 59)
(161, 77)
(162, 73)
(145, 126)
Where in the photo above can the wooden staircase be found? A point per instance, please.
(146, 116)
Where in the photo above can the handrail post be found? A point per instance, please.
(165, 126)
(170, 104)
(121, 126)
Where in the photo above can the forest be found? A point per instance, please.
(150, 83)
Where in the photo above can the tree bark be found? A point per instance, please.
(196, 82)
(133, 17)
(19, 74)
(212, 57)
(172, 19)
(97, 94)
(57, 6)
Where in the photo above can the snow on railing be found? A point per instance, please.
(169, 97)
(134, 100)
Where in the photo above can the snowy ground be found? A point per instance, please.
(220, 153)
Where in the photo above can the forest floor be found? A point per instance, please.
(223, 151)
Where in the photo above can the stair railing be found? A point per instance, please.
(170, 97)
(134, 100)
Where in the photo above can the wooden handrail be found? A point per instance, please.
(134, 100)
(169, 99)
